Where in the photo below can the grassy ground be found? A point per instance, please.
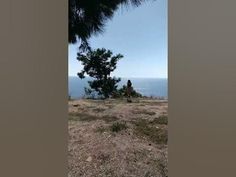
(118, 139)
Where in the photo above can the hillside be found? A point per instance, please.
(117, 139)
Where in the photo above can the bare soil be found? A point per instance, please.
(113, 138)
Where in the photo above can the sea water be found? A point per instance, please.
(151, 87)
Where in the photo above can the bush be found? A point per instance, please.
(148, 129)
(163, 119)
(118, 126)
(123, 92)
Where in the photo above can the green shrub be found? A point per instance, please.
(118, 126)
(122, 92)
(163, 119)
(143, 111)
(147, 129)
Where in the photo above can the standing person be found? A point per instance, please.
(129, 90)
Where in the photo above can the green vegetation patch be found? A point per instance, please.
(163, 119)
(122, 92)
(99, 110)
(118, 126)
(143, 111)
(145, 128)
(90, 117)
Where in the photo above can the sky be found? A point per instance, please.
(140, 35)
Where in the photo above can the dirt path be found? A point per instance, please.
(117, 139)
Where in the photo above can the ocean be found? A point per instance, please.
(146, 86)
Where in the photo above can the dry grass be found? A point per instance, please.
(162, 163)
(101, 129)
(117, 139)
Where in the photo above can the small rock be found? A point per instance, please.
(150, 144)
(89, 159)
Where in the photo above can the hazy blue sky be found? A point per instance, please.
(140, 34)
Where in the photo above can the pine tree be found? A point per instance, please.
(99, 64)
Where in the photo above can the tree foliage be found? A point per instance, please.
(88, 17)
(99, 64)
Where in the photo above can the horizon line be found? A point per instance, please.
(131, 77)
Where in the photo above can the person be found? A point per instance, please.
(129, 90)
